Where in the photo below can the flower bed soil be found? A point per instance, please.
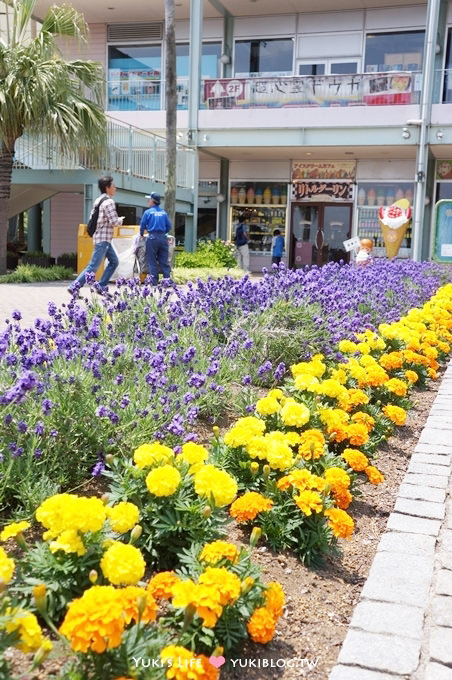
(319, 603)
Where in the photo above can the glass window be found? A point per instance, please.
(134, 73)
(344, 67)
(311, 69)
(394, 51)
(447, 96)
(210, 68)
(264, 57)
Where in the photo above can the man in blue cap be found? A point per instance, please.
(157, 223)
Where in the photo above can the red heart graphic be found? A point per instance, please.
(217, 661)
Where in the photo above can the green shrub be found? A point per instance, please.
(30, 273)
(184, 274)
(211, 254)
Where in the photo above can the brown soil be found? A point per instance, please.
(319, 603)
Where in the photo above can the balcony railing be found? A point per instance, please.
(129, 151)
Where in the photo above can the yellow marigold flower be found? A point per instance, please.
(292, 438)
(210, 481)
(279, 455)
(444, 347)
(365, 419)
(375, 376)
(68, 511)
(331, 388)
(355, 459)
(347, 347)
(357, 434)
(149, 454)
(314, 367)
(276, 393)
(123, 516)
(374, 475)
(94, 621)
(305, 381)
(257, 447)
(312, 444)
(193, 454)
(7, 566)
(184, 665)
(122, 564)
(340, 522)
(184, 593)
(432, 374)
(354, 397)
(338, 479)
(227, 583)
(161, 585)
(395, 413)
(163, 481)
(247, 507)
(338, 374)
(391, 361)
(309, 502)
(300, 478)
(261, 625)
(137, 604)
(219, 550)
(343, 499)
(274, 599)
(396, 386)
(11, 530)
(363, 347)
(295, 414)
(68, 541)
(26, 626)
(333, 417)
(267, 406)
(243, 430)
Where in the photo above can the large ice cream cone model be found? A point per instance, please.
(394, 221)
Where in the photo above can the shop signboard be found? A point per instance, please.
(323, 170)
(442, 251)
(322, 191)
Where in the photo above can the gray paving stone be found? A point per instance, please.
(428, 469)
(443, 584)
(446, 542)
(380, 652)
(422, 493)
(436, 671)
(431, 435)
(394, 578)
(441, 423)
(415, 525)
(432, 459)
(425, 480)
(442, 610)
(437, 449)
(354, 673)
(388, 618)
(441, 645)
(408, 506)
(407, 544)
(441, 409)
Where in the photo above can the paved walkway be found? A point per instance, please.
(402, 625)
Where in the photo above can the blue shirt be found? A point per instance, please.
(155, 220)
(278, 246)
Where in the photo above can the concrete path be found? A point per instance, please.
(31, 299)
(402, 626)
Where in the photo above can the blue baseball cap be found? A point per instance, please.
(155, 196)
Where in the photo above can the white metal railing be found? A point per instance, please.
(129, 151)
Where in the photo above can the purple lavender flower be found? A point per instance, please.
(16, 315)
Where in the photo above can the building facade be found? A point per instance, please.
(302, 120)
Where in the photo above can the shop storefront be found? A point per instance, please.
(263, 208)
(321, 211)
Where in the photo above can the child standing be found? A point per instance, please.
(277, 246)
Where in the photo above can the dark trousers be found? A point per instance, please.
(157, 256)
(276, 259)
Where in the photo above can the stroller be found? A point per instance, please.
(140, 267)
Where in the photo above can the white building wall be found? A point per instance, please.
(66, 213)
(401, 170)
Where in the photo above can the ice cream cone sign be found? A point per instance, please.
(394, 221)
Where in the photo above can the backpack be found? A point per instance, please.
(240, 239)
(92, 222)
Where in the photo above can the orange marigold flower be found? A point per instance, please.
(300, 479)
(184, 665)
(247, 507)
(355, 459)
(343, 499)
(432, 374)
(391, 360)
(395, 413)
(274, 599)
(261, 625)
(396, 386)
(219, 550)
(161, 585)
(340, 522)
(338, 479)
(309, 502)
(365, 419)
(411, 376)
(374, 475)
(138, 604)
(312, 444)
(357, 434)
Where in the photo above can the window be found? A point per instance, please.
(447, 95)
(327, 67)
(210, 68)
(134, 74)
(272, 57)
(394, 51)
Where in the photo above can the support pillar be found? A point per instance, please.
(34, 232)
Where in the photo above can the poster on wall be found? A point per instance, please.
(442, 251)
(443, 170)
(323, 170)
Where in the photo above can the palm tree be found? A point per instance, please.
(40, 91)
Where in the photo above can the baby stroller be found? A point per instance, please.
(140, 267)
